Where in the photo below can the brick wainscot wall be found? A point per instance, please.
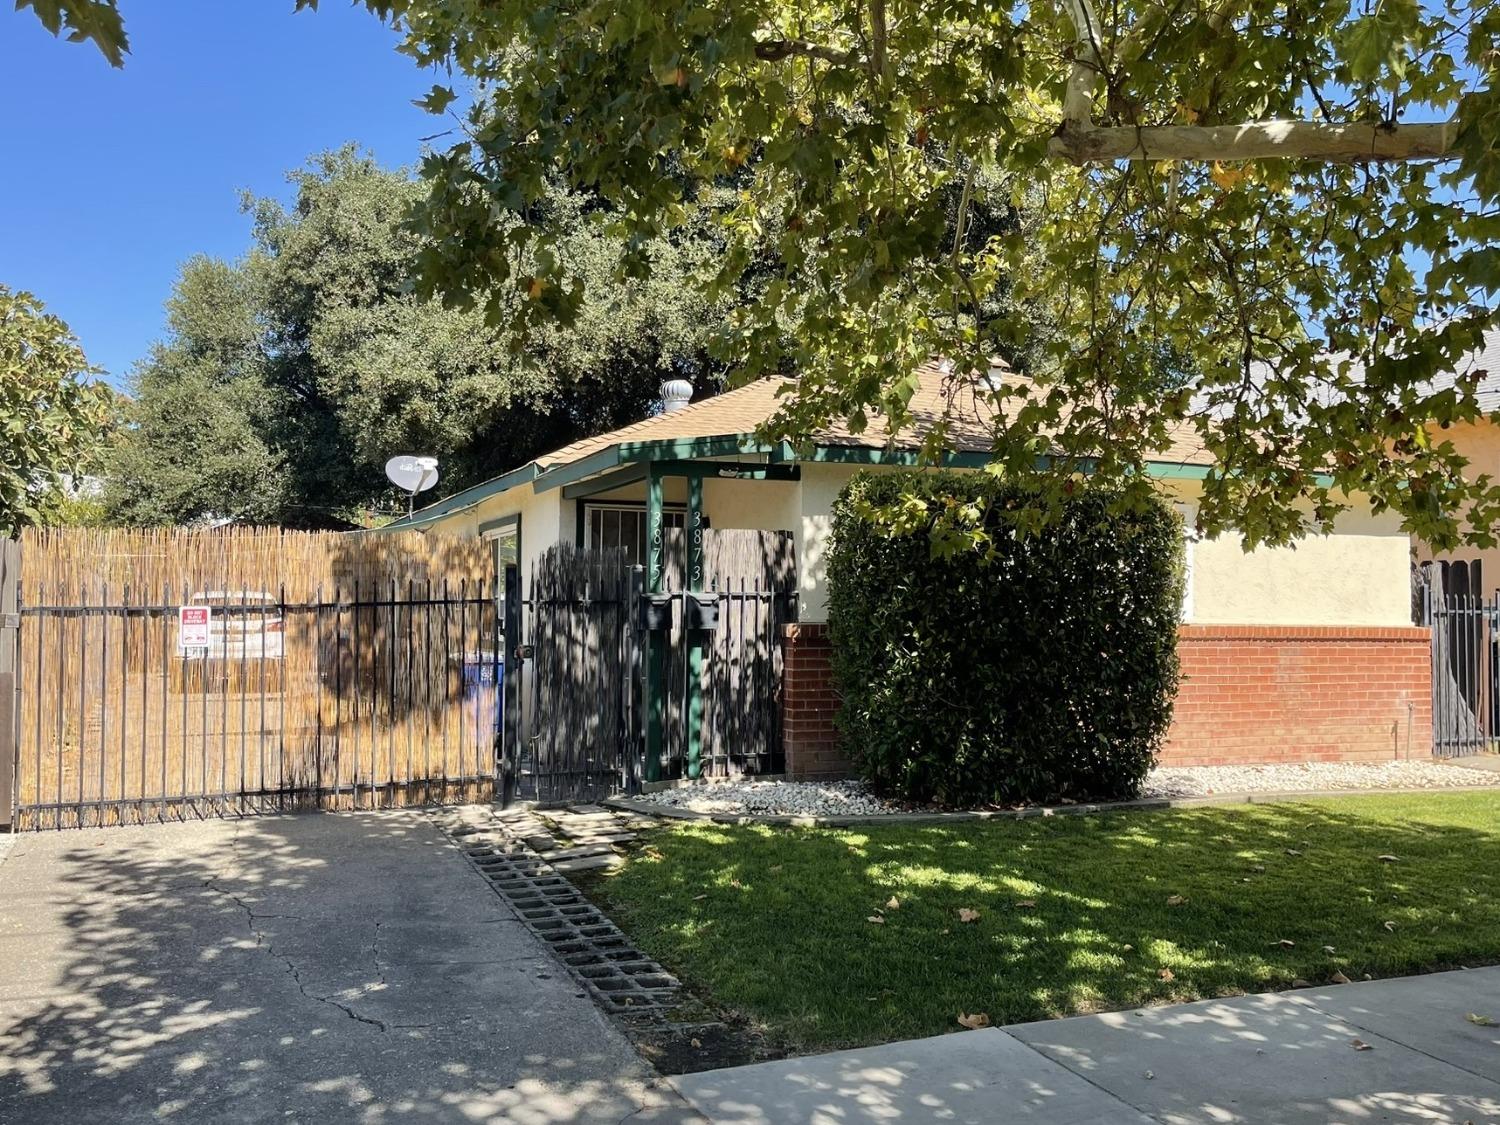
(1250, 693)
(1284, 693)
(808, 705)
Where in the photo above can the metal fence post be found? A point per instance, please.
(656, 640)
(10, 628)
(510, 684)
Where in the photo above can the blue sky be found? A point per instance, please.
(113, 177)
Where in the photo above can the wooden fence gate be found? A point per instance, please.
(166, 675)
(152, 676)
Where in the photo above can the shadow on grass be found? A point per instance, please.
(832, 938)
(320, 967)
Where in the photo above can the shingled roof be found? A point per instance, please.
(740, 412)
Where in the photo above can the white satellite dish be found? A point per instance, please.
(412, 475)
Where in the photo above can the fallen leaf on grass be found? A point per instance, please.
(1166, 974)
(1360, 1045)
(699, 898)
(1127, 947)
(1285, 943)
(1339, 978)
(1386, 858)
(967, 915)
(1026, 904)
(1389, 925)
(1175, 900)
(973, 1021)
(1479, 1021)
(1292, 851)
(877, 919)
(1328, 949)
(893, 904)
(1258, 868)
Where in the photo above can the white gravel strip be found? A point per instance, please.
(774, 798)
(1205, 781)
(853, 798)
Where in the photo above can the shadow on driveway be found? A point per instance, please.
(325, 967)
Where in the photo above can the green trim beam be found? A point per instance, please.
(619, 478)
(466, 499)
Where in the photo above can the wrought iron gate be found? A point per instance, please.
(371, 698)
(575, 679)
(1465, 665)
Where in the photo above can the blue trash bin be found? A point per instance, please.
(484, 689)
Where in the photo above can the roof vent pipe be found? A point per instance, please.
(675, 394)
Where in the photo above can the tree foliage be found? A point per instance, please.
(1306, 296)
(1308, 302)
(289, 378)
(53, 417)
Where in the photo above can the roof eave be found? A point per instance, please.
(468, 498)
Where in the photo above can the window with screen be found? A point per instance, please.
(624, 525)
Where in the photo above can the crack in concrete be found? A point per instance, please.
(263, 942)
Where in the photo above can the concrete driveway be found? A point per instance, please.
(318, 968)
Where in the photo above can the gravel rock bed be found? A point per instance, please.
(774, 798)
(1205, 781)
(852, 798)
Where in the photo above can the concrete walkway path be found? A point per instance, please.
(1290, 1058)
(320, 968)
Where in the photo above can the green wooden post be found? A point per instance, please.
(697, 638)
(656, 641)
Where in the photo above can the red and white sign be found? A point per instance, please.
(192, 627)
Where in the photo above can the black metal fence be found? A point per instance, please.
(372, 697)
(139, 704)
(1465, 664)
(575, 684)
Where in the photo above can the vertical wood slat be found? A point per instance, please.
(119, 726)
(10, 584)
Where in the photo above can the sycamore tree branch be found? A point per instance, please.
(774, 50)
(1088, 64)
(1079, 140)
(1085, 143)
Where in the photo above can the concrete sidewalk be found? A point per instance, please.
(1282, 1058)
(324, 968)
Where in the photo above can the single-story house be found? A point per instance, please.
(1289, 654)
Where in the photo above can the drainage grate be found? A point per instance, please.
(621, 979)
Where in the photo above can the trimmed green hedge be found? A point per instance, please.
(1039, 669)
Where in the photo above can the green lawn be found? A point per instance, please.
(1076, 913)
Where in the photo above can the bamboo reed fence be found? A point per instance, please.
(382, 690)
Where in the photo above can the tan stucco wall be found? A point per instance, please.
(821, 485)
(541, 521)
(765, 505)
(1359, 575)
(1480, 443)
